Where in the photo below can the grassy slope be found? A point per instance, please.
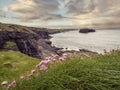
(11, 27)
(97, 73)
(14, 64)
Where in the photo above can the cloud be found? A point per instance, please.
(79, 6)
(33, 9)
(77, 12)
(94, 12)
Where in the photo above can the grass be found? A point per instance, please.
(9, 44)
(14, 64)
(97, 73)
(10, 27)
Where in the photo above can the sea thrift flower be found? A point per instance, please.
(22, 77)
(61, 58)
(54, 59)
(33, 71)
(46, 61)
(43, 67)
(13, 83)
(43, 62)
(64, 55)
(4, 83)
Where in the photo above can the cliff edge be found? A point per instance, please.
(28, 41)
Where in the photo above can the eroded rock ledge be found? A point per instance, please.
(32, 44)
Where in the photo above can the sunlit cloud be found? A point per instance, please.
(77, 12)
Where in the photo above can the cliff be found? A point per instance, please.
(28, 41)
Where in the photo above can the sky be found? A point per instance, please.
(61, 13)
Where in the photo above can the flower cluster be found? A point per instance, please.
(42, 66)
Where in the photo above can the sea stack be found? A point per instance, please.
(86, 30)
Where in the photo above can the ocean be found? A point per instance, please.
(96, 41)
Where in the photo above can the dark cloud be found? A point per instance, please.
(79, 12)
(80, 6)
(33, 9)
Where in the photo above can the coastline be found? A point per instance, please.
(32, 41)
(70, 53)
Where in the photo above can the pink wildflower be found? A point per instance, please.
(4, 83)
(13, 83)
(61, 58)
(43, 62)
(54, 59)
(43, 67)
(33, 71)
(46, 61)
(64, 55)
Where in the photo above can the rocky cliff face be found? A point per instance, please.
(32, 44)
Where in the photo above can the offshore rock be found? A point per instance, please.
(86, 30)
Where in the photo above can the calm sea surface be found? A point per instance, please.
(101, 39)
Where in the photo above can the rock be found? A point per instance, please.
(85, 50)
(86, 30)
(41, 33)
(29, 40)
(28, 43)
(48, 41)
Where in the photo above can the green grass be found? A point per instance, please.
(97, 73)
(9, 44)
(10, 27)
(14, 64)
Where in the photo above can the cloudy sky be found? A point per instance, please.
(61, 13)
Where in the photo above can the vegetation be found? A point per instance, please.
(10, 27)
(97, 73)
(9, 44)
(14, 64)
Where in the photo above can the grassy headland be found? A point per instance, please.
(14, 64)
(100, 72)
(11, 27)
(96, 73)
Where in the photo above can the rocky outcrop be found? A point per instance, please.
(29, 40)
(41, 32)
(86, 30)
(32, 44)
